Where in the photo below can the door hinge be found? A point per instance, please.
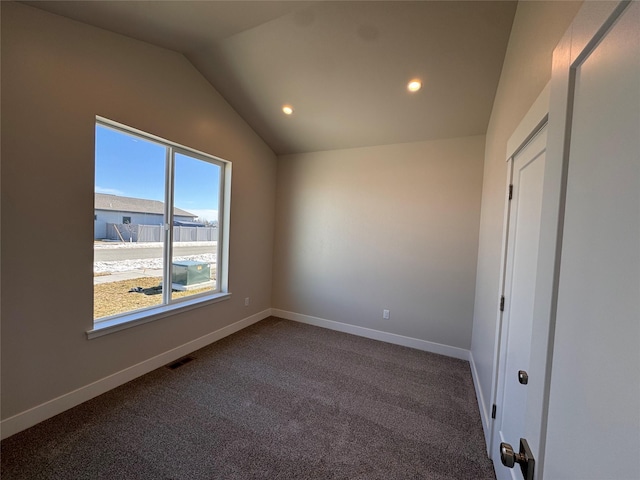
(493, 411)
(502, 303)
(510, 192)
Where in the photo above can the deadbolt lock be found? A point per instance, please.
(523, 377)
(524, 458)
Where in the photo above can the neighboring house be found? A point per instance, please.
(117, 209)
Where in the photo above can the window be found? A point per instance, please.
(172, 202)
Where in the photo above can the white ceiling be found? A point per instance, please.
(343, 65)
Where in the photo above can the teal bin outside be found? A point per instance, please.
(189, 272)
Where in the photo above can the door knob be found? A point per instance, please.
(507, 455)
(524, 458)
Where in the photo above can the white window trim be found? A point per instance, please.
(140, 317)
(117, 323)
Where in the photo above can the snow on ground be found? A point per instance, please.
(106, 245)
(146, 263)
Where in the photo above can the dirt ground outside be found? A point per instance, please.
(114, 258)
(114, 298)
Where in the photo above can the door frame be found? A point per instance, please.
(532, 123)
(591, 22)
(588, 27)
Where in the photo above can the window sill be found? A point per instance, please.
(123, 322)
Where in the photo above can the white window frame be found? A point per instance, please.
(171, 306)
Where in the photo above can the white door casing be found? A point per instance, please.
(593, 411)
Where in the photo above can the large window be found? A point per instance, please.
(159, 226)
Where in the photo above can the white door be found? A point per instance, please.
(522, 257)
(593, 426)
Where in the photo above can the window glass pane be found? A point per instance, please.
(135, 268)
(196, 199)
(128, 223)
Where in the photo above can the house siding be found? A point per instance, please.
(103, 217)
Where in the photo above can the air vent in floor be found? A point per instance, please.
(180, 362)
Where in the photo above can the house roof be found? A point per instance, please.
(105, 201)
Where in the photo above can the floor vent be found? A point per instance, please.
(180, 362)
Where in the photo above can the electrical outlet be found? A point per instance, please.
(246, 302)
(385, 314)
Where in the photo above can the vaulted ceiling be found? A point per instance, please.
(343, 66)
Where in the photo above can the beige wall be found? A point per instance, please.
(537, 28)
(357, 230)
(390, 227)
(56, 76)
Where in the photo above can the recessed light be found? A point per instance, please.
(414, 85)
(287, 109)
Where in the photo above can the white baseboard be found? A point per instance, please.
(484, 411)
(28, 418)
(418, 344)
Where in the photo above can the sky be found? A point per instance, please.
(132, 166)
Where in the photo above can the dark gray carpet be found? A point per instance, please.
(278, 400)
